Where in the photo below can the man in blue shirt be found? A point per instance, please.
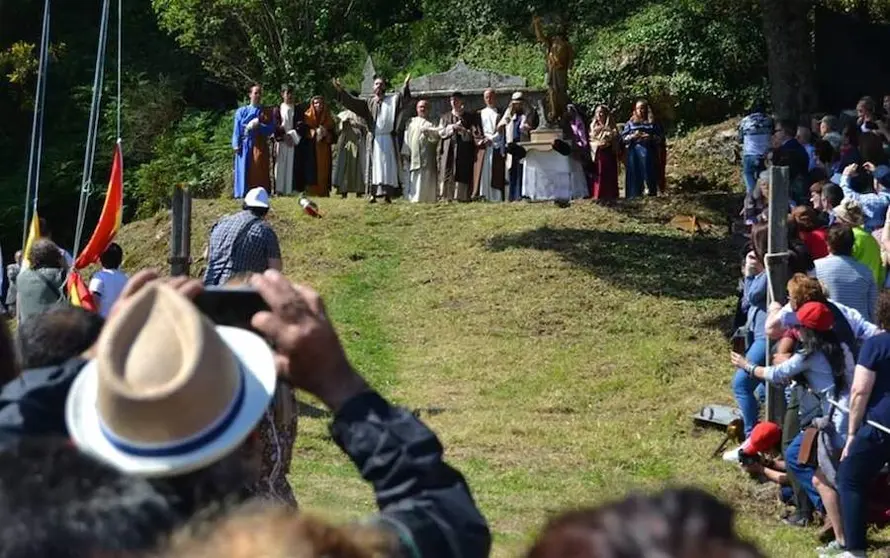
(755, 131)
(848, 281)
(790, 153)
(860, 185)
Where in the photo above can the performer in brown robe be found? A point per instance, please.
(457, 151)
(321, 136)
(259, 169)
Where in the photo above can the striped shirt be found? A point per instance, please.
(850, 283)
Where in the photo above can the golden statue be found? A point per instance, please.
(559, 60)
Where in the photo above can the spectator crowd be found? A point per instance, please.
(825, 348)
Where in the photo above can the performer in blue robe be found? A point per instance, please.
(642, 142)
(251, 156)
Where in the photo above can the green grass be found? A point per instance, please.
(558, 353)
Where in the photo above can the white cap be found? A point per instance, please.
(257, 197)
(516, 96)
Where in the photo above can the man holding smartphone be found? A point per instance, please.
(243, 242)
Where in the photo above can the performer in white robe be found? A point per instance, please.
(381, 112)
(288, 139)
(491, 187)
(421, 139)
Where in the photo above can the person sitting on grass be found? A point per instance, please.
(826, 366)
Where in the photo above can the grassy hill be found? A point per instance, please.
(558, 353)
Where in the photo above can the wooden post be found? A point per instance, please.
(186, 245)
(180, 231)
(776, 263)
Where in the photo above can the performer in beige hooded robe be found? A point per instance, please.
(421, 140)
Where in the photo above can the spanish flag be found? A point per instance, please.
(33, 235)
(112, 214)
(78, 293)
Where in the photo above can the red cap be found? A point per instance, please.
(816, 316)
(764, 437)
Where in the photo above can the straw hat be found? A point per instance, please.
(168, 392)
(850, 212)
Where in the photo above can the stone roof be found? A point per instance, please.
(459, 78)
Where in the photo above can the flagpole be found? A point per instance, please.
(33, 183)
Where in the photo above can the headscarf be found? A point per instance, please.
(315, 120)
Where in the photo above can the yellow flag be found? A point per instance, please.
(33, 235)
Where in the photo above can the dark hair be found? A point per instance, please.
(758, 106)
(213, 490)
(882, 312)
(9, 365)
(57, 502)
(685, 522)
(871, 149)
(840, 240)
(457, 95)
(112, 257)
(287, 89)
(45, 254)
(851, 133)
(383, 79)
(789, 126)
(257, 211)
(827, 343)
(833, 194)
(760, 240)
(249, 89)
(862, 182)
(61, 333)
(824, 151)
(804, 218)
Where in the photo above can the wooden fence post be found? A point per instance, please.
(180, 233)
(776, 263)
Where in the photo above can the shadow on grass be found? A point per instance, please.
(684, 268)
(719, 209)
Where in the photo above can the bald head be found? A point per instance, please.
(489, 97)
(422, 109)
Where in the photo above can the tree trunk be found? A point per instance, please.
(787, 29)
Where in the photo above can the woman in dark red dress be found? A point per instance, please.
(604, 150)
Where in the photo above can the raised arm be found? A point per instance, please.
(354, 104)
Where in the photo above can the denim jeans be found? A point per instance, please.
(803, 473)
(855, 476)
(749, 391)
(751, 167)
(515, 192)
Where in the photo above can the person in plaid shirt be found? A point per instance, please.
(243, 242)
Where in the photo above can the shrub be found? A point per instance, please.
(196, 152)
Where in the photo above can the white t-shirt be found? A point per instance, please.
(107, 285)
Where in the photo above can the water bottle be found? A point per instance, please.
(310, 208)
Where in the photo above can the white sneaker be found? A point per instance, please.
(732, 456)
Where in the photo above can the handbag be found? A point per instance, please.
(808, 447)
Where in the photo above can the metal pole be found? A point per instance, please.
(176, 263)
(36, 125)
(776, 263)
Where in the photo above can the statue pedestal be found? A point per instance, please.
(548, 175)
(542, 139)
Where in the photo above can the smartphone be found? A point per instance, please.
(739, 344)
(231, 306)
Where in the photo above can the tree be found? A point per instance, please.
(786, 28)
(302, 42)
